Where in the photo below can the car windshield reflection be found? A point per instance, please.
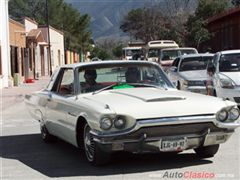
(95, 78)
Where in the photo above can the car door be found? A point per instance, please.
(60, 100)
(173, 71)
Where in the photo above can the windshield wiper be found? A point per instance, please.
(147, 85)
(105, 88)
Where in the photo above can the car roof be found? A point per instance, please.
(230, 51)
(179, 48)
(197, 55)
(132, 48)
(82, 64)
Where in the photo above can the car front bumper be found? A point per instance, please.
(197, 89)
(148, 135)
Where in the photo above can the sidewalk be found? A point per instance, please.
(12, 95)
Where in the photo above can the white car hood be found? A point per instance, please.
(234, 76)
(194, 75)
(142, 103)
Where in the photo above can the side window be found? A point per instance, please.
(65, 84)
(176, 62)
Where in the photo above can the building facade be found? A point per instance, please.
(17, 37)
(37, 47)
(56, 46)
(225, 28)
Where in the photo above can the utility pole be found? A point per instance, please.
(49, 45)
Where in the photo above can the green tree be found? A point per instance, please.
(100, 53)
(196, 24)
(144, 23)
(62, 16)
(117, 51)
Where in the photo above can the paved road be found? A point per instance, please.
(24, 156)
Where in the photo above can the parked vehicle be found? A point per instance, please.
(129, 52)
(168, 55)
(121, 113)
(226, 78)
(154, 48)
(189, 72)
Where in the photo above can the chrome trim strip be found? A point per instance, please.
(157, 139)
(158, 122)
(168, 121)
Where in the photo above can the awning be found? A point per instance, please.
(36, 35)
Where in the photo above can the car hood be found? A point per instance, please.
(142, 103)
(194, 75)
(234, 76)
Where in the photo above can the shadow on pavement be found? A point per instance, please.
(62, 160)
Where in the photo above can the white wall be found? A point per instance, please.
(5, 78)
(57, 43)
(29, 25)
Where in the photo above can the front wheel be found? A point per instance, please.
(178, 85)
(93, 152)
(207, 151)
(46, 136)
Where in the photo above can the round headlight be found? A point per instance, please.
(222, 115)
(119, 123)
(105, 123)
(234, 114)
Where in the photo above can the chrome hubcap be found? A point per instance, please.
(88, 144)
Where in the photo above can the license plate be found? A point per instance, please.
(173, 144)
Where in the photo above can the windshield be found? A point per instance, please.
(130, 52)
(169, 55)
(125, 75)
(195, 63)
(229, 63)
(153, 53)
(172, 54)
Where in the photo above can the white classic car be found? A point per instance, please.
(131, 106)
(226, 78)
(189, 72)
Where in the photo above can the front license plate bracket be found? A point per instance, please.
(173, 144)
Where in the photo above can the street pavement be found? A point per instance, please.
(23, 155)
(15, 94)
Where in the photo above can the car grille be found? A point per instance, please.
(173, 130)
(196, 83)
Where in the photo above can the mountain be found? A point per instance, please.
(106, 15)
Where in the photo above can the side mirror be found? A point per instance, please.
(173, 69)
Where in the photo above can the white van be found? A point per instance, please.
(129, 52)
(168, 55)
(154, 48)
(226, 78)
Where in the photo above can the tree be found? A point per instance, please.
(117, 51)
(196, 24)
(159, 21)
(144, 23)
(62, 16)
(236, 2)
(100, 53)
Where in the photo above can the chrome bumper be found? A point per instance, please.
(148, 144)
(123, 141)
